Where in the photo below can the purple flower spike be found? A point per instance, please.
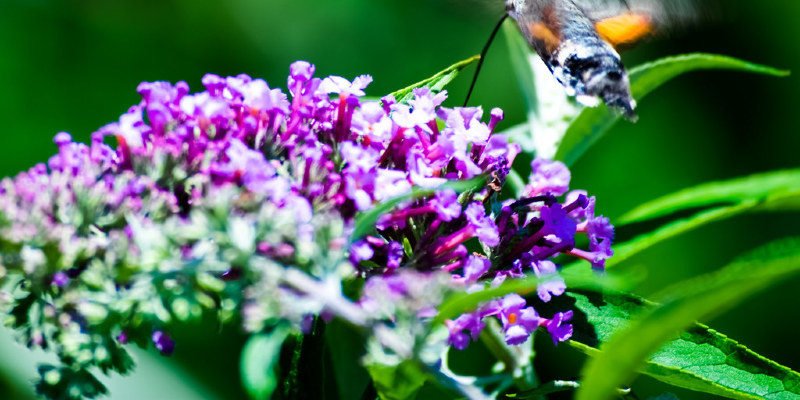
(518, 322)
(483, 227)
(248, 167)
(555, 287)
(600, 229)
(497, 116)
(470, 322)
(259, 96)
(215, 84)
(394, 255)
(60, 279)
(548, 177)
(387, 102)
(287, 165)
(163, 342)
(62, 138)
(391, 183)
(547, 290)
(202, 105)
(474, 268)
(343, 87)
(559, 330)
(360, 250)
(299, 73)
(446, 205)
(556, 222)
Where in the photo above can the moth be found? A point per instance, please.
(578, 41)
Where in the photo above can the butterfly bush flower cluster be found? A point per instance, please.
(244, 199)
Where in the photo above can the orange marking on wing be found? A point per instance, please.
(541, 32)
(625, 28)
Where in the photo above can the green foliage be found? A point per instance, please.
(559, 129)
(259, 359)
(545, 389)
(773, 191)
(435, 83)
(346, 347)
(397, 382)
(743, 373)
(769, 190)
(593, 123)
(696, 359)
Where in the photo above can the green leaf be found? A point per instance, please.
(549, 109)
(666, 396)
(545, 389)
(774, 191)
(640, 243)
(346, 347)
(593, 123)
(759, 187)
(259, 357)
(397, 382)
(436, 82)
(695, 360)
(365, 222)
(519, 54)
(600, 316)
(700, 359)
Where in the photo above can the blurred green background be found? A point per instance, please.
(74, 66)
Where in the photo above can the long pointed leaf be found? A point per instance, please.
(346, 347)
(696, 360)
(436, 82)
(397, 382)
(593, 123)
(627, 350)
(774, 191)
(640, 243)
(757, 187)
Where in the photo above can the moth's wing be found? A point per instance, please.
(624, 22)
(663, 12)
(539, 25)
(601, 9)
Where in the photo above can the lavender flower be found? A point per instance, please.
(243, 198)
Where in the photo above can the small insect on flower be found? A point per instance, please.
(578, 41)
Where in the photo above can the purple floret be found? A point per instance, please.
(163, 342)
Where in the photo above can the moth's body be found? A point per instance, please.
(576, 38)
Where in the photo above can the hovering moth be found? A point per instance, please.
(578, 41)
